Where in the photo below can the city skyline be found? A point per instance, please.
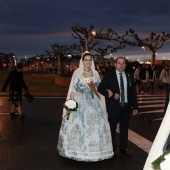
(30, 27)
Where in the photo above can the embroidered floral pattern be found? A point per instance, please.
(86, 135)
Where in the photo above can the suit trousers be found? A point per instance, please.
(120, 115)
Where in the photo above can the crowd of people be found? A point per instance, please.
(148, 77)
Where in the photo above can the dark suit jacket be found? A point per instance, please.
(16, 81)
(110, 82)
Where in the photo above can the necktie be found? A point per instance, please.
(122, 94)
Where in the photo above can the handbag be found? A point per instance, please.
(28, 96)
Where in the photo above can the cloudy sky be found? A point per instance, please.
(29, 27)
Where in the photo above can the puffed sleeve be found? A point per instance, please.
(73, 82)
(72, 86)
(97, 80)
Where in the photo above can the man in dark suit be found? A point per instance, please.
(119, 90)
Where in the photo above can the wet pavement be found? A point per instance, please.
(30, 144)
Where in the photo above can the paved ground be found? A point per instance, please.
(31, 144)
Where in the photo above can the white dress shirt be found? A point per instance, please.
(125, 83)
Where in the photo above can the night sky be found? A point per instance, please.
(29, 27)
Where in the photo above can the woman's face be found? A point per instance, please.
(87, 61)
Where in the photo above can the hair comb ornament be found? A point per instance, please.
(86, 52)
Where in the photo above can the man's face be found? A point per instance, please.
(120, 65)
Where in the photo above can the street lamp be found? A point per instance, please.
(69, 56)
(144, 54)
(92, 33)
(15, 61)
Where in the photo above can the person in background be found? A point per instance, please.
(144, 76)
(108, 67)
(165, 78)
(17, 82)
(152, 77)
(137, 78)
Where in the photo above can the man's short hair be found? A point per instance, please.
(121, 58)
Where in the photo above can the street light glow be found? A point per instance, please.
(143, 47)
(93, 33)
(69, 55)
(144, 53)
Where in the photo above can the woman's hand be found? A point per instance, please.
(72, 95)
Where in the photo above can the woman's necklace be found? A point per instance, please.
(86, 72)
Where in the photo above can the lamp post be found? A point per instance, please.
(69, 56)
(92, 33)
(15, 61)
(144, 54)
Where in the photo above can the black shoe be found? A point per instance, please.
(22, 116)
(13, 114)
(126, 152)
(114, 148)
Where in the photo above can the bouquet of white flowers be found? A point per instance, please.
(70, 105)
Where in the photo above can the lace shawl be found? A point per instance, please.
(77, 73)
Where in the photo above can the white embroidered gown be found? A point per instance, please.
(86, 135)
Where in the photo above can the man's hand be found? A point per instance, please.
(117, 96)
(109, 93)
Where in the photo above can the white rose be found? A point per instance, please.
(87, 80)
(71, 104)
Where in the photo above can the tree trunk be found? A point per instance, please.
(153, 57)
(102, 59)
(59, 64)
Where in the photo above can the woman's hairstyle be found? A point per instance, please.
(85, 54)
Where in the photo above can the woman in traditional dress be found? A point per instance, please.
(86, 135)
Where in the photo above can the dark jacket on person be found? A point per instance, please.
(16, 81)
(152, 74)
(110, 82)
(142, 73)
